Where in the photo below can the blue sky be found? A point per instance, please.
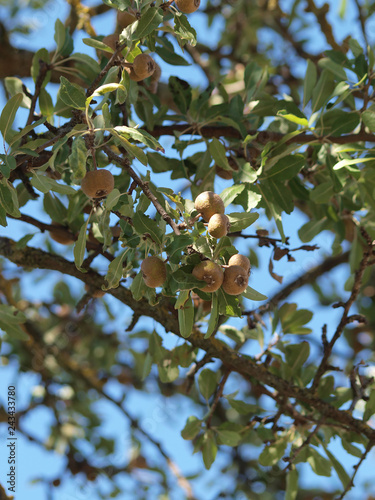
(163, 419)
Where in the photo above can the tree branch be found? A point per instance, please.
(166, 315)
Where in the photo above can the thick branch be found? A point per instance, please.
(166, 316)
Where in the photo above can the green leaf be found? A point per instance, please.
(209, 449)
(346, 163)
(140, 136)
(239, 221)
(252, 294)
(230, 193)
(183, 29)
(181, 93)
(333, 67)
(295, 356)
(293, 118)
(192, 428)
(186, 318)
(45, 184)
(207, 381)
(286, 168)
(115, 271)
(319, 464)
(214, 316)
(80, 246)
(78, 158)
(218, 153)
(276, 193)
(103, 89)
(144, 225)
(8, 115)
(241, 407)
(370, 406)
(9, 199)
(15, 86)
(368, 118)
(170, 57)
(138, 287)
(322, 90)
(11, 314)
(340, 471)
(13, 330)
(271, 454)
(72, 95)
(60, 35)
(228, 438)
(291, 490)
(292, 319)
(168, 371)
(311, 229)
(176, 246)
(322, 193)
(148, 22)
(131, 148)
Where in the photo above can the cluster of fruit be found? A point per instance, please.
(233, 280)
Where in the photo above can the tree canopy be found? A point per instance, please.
(144, 147)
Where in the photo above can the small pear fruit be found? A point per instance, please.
(188, 6)
(208, 204)
(144, 66)
(211, 273)
(218, 225)
(125, 19)
(235, 280)
(154, 271)
(61, 234)
(97, 183)
(240, 260)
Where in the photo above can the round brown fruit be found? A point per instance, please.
(144, 66)
(111, 41)
(97, 183)
(235, 280)
(132, 75)
(188, 6)
(97, 293)
(209, 272)
(154, 271)
(61, 234)
(116, 231)
(218, 225)
(240, 260)
(208, 204)
(204, 304)
(125, 19)
(224, 174)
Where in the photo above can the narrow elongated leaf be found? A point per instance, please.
(8, 115)
(147, 23)
(72, 95)
(186, 318)
(80, 246)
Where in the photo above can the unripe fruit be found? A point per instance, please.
(61, 234)
(97, 183)
(111, 41)
(208, 204)
(144, 66)
(132, 75)
(204, 304)
(187, 6)
(116, 231)
(240, 260)
(227, 174)
(125, 19)
(209, 272)
(97, 293)
(154, 271)
(235, 280)
(218, 225)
